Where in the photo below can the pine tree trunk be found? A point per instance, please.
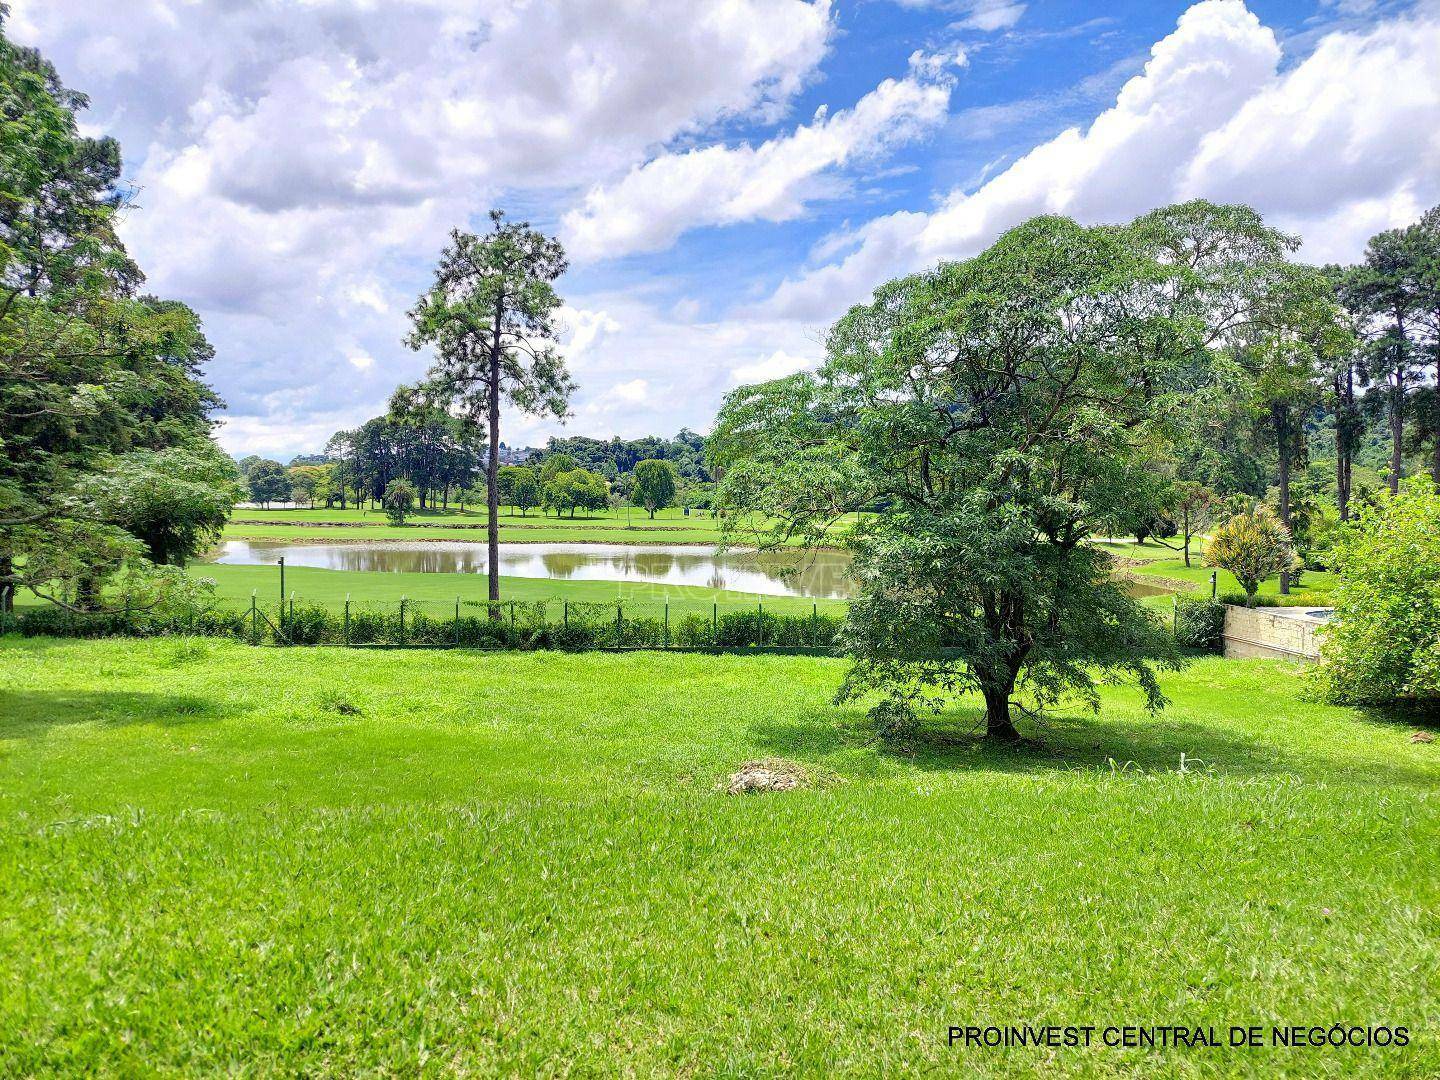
(492, 462)
(1344, 436)
(1397, 430)
(1281, 421)
(1435, 450)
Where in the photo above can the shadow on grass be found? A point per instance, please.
(28, 714)
(1069, 742)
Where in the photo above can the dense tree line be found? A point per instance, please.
(1176, 375)
(108, 472)
(614, 458)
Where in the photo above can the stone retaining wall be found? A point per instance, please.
(1274, 633)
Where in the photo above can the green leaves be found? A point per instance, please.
(990, 415)
(1382, 645)
(1253, 546)
(99, 383)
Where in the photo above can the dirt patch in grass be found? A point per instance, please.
(767, 774)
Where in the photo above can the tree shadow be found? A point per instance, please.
(952, 741)
(29, 714)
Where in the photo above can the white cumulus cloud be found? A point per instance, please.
(716, 185)
(1343, 143)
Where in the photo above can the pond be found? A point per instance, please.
(822, 575)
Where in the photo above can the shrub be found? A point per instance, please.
(398, 500)
(1200, 623)
(1383, 643)
(1253, 547)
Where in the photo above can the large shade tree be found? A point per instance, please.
(98, 380)
(992, 414)
(490, 317)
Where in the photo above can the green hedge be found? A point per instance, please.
(1200, 623)
(519, 625)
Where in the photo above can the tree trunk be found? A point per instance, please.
(7, 588)
(1185, 525)
(1397, 430)
(1344, 437)
(492, 462)
(1435, 450)
(1281, 419)
(998, 725)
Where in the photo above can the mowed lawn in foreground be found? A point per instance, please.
(319, 861)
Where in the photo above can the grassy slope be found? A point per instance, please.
(1163, 562)
(436, 592)
(520, 862)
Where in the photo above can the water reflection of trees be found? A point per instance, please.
(818, 574)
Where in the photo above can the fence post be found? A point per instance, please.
(567, 614)
(619, 626)
(254, 621)
(292, 605)
(512, 619)
(457, 622)
(760, 624)
(714, 625)
(667, 624)
(347, 618)
(402, 621)
(814, 624)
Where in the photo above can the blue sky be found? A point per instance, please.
(729, 175)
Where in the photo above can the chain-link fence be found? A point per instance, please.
(469, 624)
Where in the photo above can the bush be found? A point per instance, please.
(1200, 623)
(1253, 547)
(1382, 645)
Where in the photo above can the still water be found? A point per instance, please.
(822, 575)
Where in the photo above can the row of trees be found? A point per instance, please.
(615, 458)
(107, 468)
(993, 415)
(1327, 406)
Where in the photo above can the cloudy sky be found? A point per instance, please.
(727, 175)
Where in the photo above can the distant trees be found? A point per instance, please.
(490, 318)
(267, 482)
(1393, 297)
(525, 495)
(398, 501)
(653, 486)
(519, 487)
(614, 458)
(576, 489)
(1254, 546)
(554, 465)
(434, 452)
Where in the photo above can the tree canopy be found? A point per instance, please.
(99, 380)
(992, 415)
(490, 317)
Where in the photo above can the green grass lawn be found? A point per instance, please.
(436, 593)
(216, 859)
(622, 526)
(1159, 561)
